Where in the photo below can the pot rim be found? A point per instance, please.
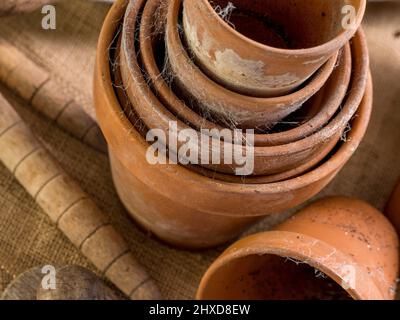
(281, 243)
(104, 86)
(325, 47)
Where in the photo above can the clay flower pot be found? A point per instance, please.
(393, 208)
(337, 248)
(273, 47)
(178, 205)
(267, 160)
(315, 113)
(231, 108)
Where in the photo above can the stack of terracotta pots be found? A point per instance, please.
(294, 75)
(224, 66)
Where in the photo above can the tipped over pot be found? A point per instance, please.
(294, 39)
(336, 248)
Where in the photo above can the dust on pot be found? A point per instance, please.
(229, 107)
(336, 248)
(267, 49)
(310, 117)
(178, 205)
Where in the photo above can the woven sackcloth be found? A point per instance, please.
(27, 236)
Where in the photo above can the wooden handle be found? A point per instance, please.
(70, 207)
(35, 85)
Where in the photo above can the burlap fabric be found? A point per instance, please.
(28, 238)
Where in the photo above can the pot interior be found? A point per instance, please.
(270, 277)
(287, 24)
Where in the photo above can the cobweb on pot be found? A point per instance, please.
(224, 12)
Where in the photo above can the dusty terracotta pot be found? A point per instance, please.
(208, 212)
(291, 40)
(312, 116)
(336, 248)
(228, 107)
(393, 208)
(267, 160)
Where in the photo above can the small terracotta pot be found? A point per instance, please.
(393, 208)
(291, 40)
(337, 248)
(267, 160)
(313, 114)
(183, 207)
(228, 107)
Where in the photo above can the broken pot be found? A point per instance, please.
(336, 248)
(267, 48)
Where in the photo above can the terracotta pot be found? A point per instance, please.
(393, 208)
(311, 116)
(290, 40)
(267, 160)
(183, 207)
(337, 248)
(230, 108)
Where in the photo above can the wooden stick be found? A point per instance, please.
(69, 207)
(35, 85)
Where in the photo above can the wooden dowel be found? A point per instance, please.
(35, 85)
(69, 207)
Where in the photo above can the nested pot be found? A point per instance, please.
(336, 248)
(267, 48)
(228, 107)
(267, 160)
(141, 128)
(315, 113)
(179, 205)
